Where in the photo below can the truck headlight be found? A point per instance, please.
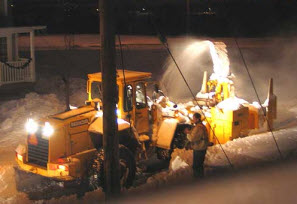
(47, 130)
(31, 126)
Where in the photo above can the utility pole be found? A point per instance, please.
(188, 17)
(110, 99)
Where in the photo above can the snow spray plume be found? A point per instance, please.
(195, 58)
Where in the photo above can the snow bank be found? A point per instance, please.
(55, 85)
(294, 110)
(3, 185)
(15, 113)
(242, 152)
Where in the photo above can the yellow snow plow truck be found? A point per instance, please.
(68, 146)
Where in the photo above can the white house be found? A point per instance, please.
(14, 69)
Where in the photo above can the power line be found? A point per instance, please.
(254, 87)
(123, 69)
(165, 44)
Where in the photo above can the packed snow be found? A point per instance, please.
(242, 152)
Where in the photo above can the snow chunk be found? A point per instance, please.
(178, 163)
(231, 104)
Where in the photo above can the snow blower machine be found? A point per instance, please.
(68, 146)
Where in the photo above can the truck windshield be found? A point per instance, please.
(96, 90)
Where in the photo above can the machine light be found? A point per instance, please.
(72, 107)
(31, 126)
(20, 157)
(47, 130)
(63, 168)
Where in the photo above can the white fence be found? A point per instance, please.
(10, 75)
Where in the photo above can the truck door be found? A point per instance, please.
(141, 108)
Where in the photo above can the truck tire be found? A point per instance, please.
(127, 169)
(96, 171)
(164, 154)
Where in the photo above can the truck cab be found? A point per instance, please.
(132, 102)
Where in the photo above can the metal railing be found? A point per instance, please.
(9, 74)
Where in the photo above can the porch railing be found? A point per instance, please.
(15, 72)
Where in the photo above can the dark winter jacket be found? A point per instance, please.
(199, 137)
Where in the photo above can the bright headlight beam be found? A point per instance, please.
(31, 126)
(47, 130)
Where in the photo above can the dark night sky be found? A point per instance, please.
(212, 17)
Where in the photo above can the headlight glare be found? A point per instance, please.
(47, 130)
(31, 126)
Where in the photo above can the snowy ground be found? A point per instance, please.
(48, 98)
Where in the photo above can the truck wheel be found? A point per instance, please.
(164, 154)
(127, 169)
(96, 171)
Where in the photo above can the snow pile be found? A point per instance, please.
(178, 163)
(77, 86)
(242, 152)
(3, 185)
(15, 113)
(205, 95)
(294, 110)
(78, 91)
(231, 104)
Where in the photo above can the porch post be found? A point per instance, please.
(32, 52)
(12, 47)
(9, 48)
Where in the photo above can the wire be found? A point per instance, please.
(123, 69)
(165, 44)
(254, 87)
(122, 58)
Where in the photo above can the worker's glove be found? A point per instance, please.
(188, 145)
(210, 144)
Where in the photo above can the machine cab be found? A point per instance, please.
(132, 104)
